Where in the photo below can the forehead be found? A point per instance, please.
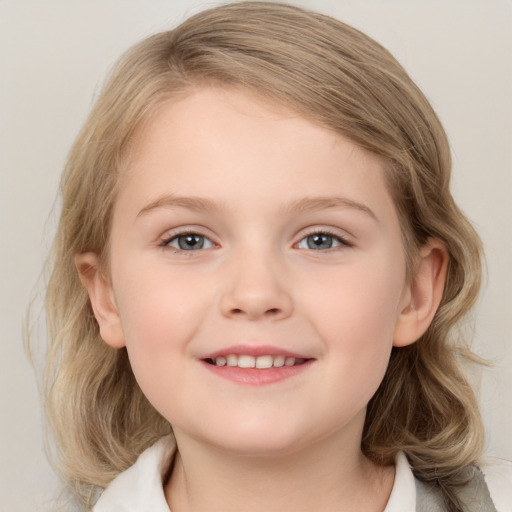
(215, 139)
(208, 107)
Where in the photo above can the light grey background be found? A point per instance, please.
(53, 57)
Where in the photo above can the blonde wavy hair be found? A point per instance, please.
(331, 74)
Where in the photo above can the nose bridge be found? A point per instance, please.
(255, 284)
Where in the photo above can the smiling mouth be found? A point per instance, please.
(260, 362)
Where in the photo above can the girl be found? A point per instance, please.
(256, 277)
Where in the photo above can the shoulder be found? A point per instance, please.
(498, 477)
(489, 488)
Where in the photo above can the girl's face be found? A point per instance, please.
(244, 234)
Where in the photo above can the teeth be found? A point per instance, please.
(279, 361)
(232, 360)
(261, 362)
(264, 362)
(246, 362)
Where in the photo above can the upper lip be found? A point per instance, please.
(253, 350)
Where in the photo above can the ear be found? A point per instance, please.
(102, 299)
(423, 295)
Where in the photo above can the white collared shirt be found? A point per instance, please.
(140, 487)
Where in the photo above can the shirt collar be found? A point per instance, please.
(403, 494)
(140, 487)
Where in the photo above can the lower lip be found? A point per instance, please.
(257, 377)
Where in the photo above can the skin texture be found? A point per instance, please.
(259, 176)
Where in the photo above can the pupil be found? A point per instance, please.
(320, 241)
(188, 242)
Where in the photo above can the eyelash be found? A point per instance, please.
(344, 242)
(166, 241)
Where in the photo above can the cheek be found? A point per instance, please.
(356, 319)
(157, 315)
(157, 310)
(359, 300)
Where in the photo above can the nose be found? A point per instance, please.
(256, 288)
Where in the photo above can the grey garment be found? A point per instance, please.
(474, 496)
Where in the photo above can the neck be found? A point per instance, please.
(326, 476)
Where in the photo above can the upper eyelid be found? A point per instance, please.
(342, 234)
(343, 241)
(325, 231)
(193, 230)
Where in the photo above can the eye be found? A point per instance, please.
(189, 242)
(321, 241)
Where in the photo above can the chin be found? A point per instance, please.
(263, 447)
(253, 439)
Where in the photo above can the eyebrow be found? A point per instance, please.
(309, 204)
(198, 204)
(303, 205)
